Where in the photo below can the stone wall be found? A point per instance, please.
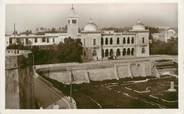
(19, 82)
(86, 72)
(99, 74)
(12, 89)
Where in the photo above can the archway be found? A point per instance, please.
(128, 51)
(124, 40)
(128, 40)
(94, 52)
(124, 52)
(103, 53)
(118, 52)
(111, 52)
(106, 53)
(111, 41)
(106, 41)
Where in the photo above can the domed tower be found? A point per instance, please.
(139, 26)
(72, 24)
(141, 39)
(90, 26)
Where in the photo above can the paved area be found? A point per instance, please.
(151, 58)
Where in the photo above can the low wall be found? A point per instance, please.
(97, 71)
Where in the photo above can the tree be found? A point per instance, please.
(152, 29)
(70, 51)
(15, 46)
(53, 30)
(160, 47)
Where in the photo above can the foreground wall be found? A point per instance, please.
(19, 82)
(98, 71)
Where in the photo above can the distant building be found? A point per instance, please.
(165, 34)
(98, 44)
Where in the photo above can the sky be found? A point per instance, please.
(31, 16)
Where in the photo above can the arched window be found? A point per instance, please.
(132, 41)
(102, 41)
(124, 40)
(143, 50)
(106, 41)
(94, 52)
(118, 52)
(111, 52)
(124, 52)
(128, 51)
(117, 40)
(103, 53)
(128, 40)
(111, 41)
(132, 51)
(106, 52)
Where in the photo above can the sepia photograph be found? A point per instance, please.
(91, 56)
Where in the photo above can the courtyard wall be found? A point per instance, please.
(97, 71)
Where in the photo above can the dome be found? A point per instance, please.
(172, 31)
(90, 27)
(138, 26)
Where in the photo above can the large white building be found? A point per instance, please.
(165, 34)
(98, 44)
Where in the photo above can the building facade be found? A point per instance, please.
(98, 44)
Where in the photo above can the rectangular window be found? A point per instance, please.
(102, 41)
(132, 40)
(74, 21)
(143, 40)
(36, 40)
(94, 41)
(26, 41)
(117, 40)
(47, 40)
(18, 41)
(68, 21)
(10, 40)
(143, 50)
(43, 39)
(53, 40)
